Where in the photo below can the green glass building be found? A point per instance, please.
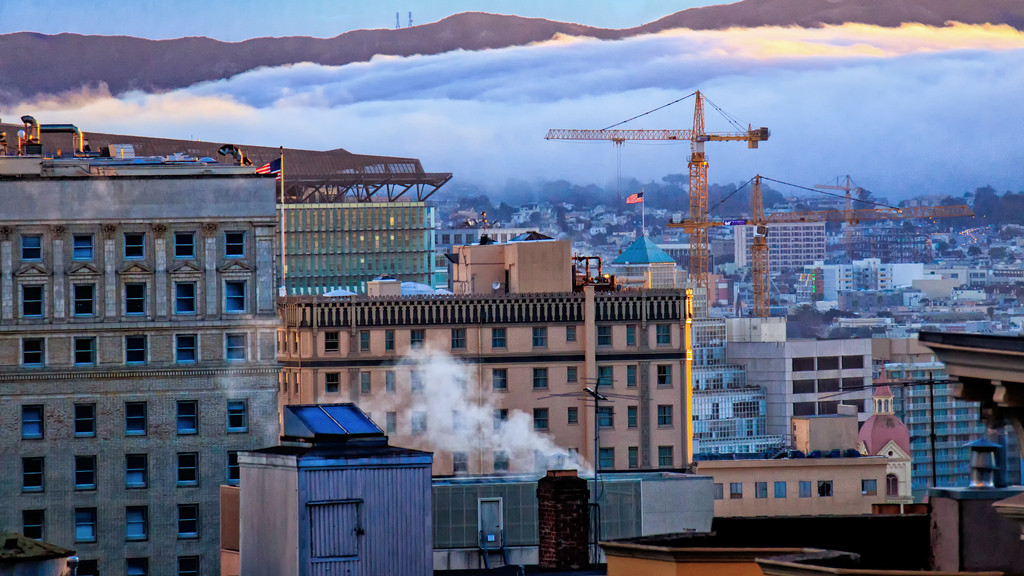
(344, 245)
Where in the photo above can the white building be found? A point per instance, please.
(789, 245)
(867, 274)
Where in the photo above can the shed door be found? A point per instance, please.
(334, 529)
(490, 521)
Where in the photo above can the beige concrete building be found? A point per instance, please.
(494, 381)
(137, 333)
(829, 481)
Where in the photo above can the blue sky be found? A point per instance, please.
(235, 21)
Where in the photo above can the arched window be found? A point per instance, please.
(892, 485)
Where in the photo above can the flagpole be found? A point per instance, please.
(643, 215)
(283, 290)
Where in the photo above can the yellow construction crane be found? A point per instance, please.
(760, 222)
(698, 165)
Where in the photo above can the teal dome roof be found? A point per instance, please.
(643, 251)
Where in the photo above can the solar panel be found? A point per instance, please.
(329, 420)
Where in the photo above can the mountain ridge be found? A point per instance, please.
(34, 65)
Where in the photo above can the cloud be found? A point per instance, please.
(907, 110)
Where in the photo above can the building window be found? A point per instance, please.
(238, 420)
(499, 378)
(571, 374)
(134, 245)
(500, 417)
(419, 423)
(664, 375)
(573, 415)
(184, 297)
(498, 338)
(500, 461)
(85, 524)
(85, 420)
(605, 417)
(804, 364)
(32, 351)
(32, 474)
(188, 416)
(828, 363)
(32, 301)
(135, 418)
(134, 298)
(604, 335)
(136, 470)
(416, 382)
(332, 382)
(630, 334)
(188, 469)
(540, 418)
(234, 347)
(803, 408)
(364, 340)
(825, 488)
(32, 421)
(136, 522)
(391, 422)
(805, 489)
(389, 340)
(760, 489)
(416, 338)
(604, 376)
(136, 566)
(606, 458)
(135, 349)
(570, 333)
(33, 523)
(665, 457)
(869, 487)
(85, 351)
(330, 341)
(663, 334)
(81, 247)
(892, 485)
(364, 382)
(85, 472)
(458, 338)
(234, 244)
(188, 520)
(31, 247)
(184, 245)
(389, 381)
(540, 337)
(735, 490)
(631, 376)
(853, 362)
(803, 386)
(88, 568)
(633, 457)
(234, 296)
(780, 489)
(631, 416)
(234, 470)
(540, 378)
(719, 491)
(460, 462)
(83, 295)
(188, 566)
(664, 415)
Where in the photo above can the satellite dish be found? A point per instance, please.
(496, 285)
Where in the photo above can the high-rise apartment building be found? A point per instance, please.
(137, 330)
(790, 246)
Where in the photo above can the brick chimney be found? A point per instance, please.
(564, 520)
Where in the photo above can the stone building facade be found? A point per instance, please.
(137, 327)
(523, 358)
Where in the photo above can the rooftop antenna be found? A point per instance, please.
(397, 23)
(410, 19)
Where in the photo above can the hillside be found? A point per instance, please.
(36, 64)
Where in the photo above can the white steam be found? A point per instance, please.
(460, 416)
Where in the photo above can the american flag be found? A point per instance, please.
(637, 198)
(272, 167)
